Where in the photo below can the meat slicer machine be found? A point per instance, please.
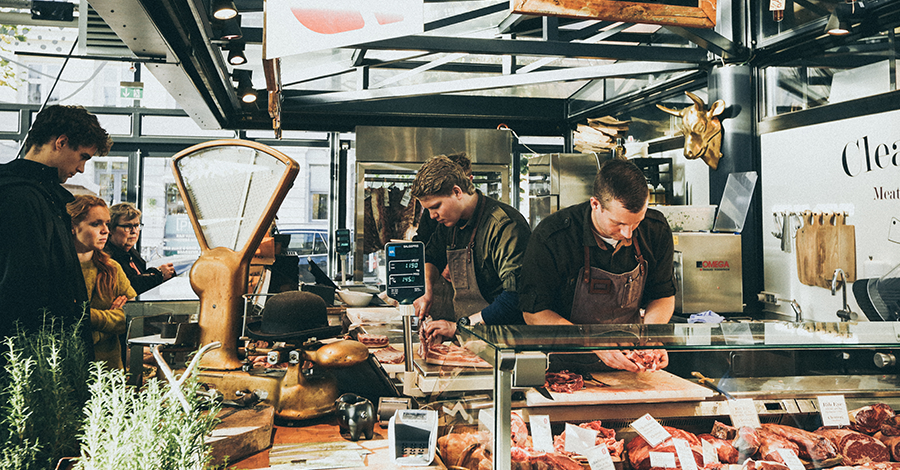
(231, 190)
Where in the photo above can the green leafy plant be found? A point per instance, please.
(43, 387)
(8, 33)
(144, 429)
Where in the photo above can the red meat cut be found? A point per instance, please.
(563, 382)
(389, 355)
(646, 359)
(763, 465)
(372, 341)
(452, 355)
(747, 443)
(868, 419)
(604, 436)
(529, 459)
(723, 431)
(725, 451)
(639, 450)
(812, 446)
(769, 443)
(856, 447)
(892, 443)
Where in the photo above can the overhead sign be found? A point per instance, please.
(299, 26)
(133, 90)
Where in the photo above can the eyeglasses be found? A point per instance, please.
(130, 227)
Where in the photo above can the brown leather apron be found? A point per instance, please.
(604, 297)
(467, 298)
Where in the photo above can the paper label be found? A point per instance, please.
(651, 430)
(743, 413)
(541, 435)
(776, 5)
(407, 196)
(662, 460)
(710, 454)
(790, 459)
(685, 456)
(833, 410)
(579, 440)
(598, 458)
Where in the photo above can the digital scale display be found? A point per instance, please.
(405, 264)
(342, 240)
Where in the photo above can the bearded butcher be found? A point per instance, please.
(481, 243)
(602, 261)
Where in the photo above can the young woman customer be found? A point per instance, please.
(108, 287)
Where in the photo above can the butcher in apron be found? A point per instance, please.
(479, 245)
(607, 260)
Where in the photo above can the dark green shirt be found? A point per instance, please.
(500, 243)
(555, 254)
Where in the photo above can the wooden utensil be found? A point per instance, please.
(826, 251)
(806, 249)
(846, 246)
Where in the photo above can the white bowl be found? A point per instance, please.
(354, 299)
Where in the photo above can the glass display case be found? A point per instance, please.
(519, 356)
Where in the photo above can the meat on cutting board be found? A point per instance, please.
(725, 451)
(451, 355)
(639, 450)
(372, 340)
(811, 446)
(563, 381)
(647, 359)
(389, 355)
(856, 448)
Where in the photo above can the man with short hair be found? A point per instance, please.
(602, 261)
(480, 239)
(39, 269)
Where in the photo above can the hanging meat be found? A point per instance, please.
(371, 240)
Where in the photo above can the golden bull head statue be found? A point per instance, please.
(702, 129)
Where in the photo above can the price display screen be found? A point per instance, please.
(342, 240)
(405, 264)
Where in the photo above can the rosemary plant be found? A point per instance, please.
(43, 387)
(145, 429)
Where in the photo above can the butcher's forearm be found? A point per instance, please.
(659, 310)
(545, 317)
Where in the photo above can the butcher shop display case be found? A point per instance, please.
(785, 368)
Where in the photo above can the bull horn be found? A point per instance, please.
(671, 111)
(696, 100)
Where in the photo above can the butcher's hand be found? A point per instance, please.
(663, 359)
(616, 359)
(423, 305)
(436, 332)
(446, 274)
(167, 270)
(119, 302)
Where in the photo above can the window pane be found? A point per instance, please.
(319, 206)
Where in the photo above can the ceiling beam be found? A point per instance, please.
(489, 83)
(540, 48)
(713, 42)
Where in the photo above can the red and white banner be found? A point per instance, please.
(299, 26)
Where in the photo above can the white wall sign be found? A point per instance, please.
(299, 26)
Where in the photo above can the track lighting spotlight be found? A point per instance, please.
(245, 89)
(224, 9)
(837, 26)
(236, 54)
(843, 15)
(231, 29)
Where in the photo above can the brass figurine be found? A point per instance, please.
(702, 129)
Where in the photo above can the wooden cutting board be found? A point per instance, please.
(807, 256)
(838, 249)
(626, 387)
(826, 249)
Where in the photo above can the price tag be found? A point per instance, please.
(651, 430)
(790, 458)
(407, 197)
(540, 433)
(685, 455)
(743, 413)
(710, 454)
(833, 410)
(598, 458)
(579, 440)
(662, 460)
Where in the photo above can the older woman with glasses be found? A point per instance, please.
(125, 228)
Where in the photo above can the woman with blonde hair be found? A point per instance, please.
(107, 286)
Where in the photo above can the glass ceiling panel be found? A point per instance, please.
(560, 90)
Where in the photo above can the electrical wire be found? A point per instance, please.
(47, 99)
(502, 126)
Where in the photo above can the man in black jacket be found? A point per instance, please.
(39, 270)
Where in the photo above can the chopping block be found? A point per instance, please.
(240, 433)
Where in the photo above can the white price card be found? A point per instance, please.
(833, 410)
(650, 430)
(743, 413)
(685, 455)
(540, 433)
(710, 454)
(662, 460)
(579, 439)
(790, 459)
(599, 459)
